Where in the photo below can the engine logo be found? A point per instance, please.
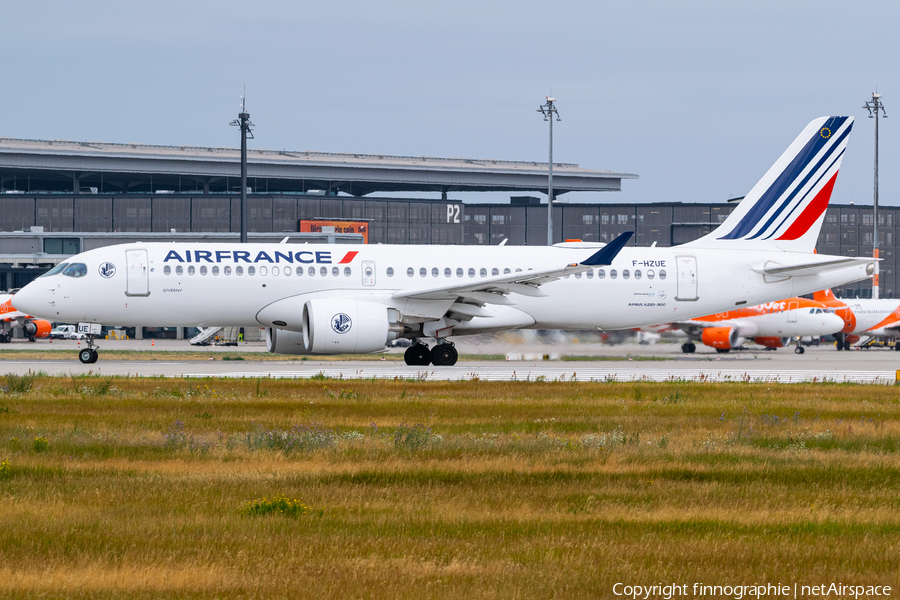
(341, 323)
(107, 270)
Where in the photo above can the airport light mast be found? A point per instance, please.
(548, 110)
(243, 121)
(873, 106)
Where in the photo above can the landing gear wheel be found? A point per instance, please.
(5, 338)
(444, 355)
(723, 350)
(31, 339)
(87, 356)
(417, 355)
(846, 345)
(799, 350)
(897, 346)
(688, 348)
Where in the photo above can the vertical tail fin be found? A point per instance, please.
(785, 209)
(823, 296)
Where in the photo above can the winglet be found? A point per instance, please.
(606, 254)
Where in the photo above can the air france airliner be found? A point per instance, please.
(322, 299)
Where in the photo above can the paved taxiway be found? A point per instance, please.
(617, 363)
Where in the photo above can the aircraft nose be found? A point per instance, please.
(833, 322)
(27, 300)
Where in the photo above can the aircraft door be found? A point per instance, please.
(792, 312)
(368, 272)
(138, 272)
(686, 267)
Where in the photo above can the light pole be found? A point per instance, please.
(243, 121)
(873, 106)
(549, 110)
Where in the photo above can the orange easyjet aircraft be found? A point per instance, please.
(10, 318)
(875, 318)
(771, 325)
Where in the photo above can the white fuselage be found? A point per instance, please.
(175, 284)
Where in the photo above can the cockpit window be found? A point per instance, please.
(76, 270)
(56, 270)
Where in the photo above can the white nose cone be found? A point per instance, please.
(832, 323)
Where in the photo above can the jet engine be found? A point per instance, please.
(336, 326)
(282, 341)
(38, 328)
(721, 338)
(773, 342)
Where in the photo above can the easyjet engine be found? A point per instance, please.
(336, 326)
(773, 342)
(721, 338)
(37, 328)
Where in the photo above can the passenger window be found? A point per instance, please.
(662, 273)
(577, 275)
(650, 273)
(179, 270)
(518, 270)
(471, 272)
(287, 271)
(203, 270)
(55, 270)
(239, 270)
(447, 272)
(506, 271)
(601, 274)
(347, 271)
(167, 270)
(226, 269)
(299, 271)
(612, 274)
(590, 274)
(215, 270)
(410, 272)
(251, 270)
(263, 270)
(625, 274)
(483, 272)
(323, 271)
(495, 271)
(390, 271)
(76, 270)
(191, 270)
(274, 270)
(335, 271)
(435, 271)
(423, 272)
(637, 273)
(459, 272)
(311, 271)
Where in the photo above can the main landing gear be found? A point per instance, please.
(88, 355)
(688, 348)
(442, 355)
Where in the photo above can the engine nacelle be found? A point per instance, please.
(773, 342)
(38, 328)
(336, 326)
(723, 338)
(282, 341)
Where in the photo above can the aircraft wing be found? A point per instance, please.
(811, 268)
(494, 290)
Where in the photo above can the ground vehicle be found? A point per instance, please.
(65, 332)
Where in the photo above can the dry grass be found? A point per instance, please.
(506, 490)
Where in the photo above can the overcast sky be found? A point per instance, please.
(698, 98)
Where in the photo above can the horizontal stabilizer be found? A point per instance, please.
(811, 268)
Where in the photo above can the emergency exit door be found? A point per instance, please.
(138, 273)
(686, 267)
(792, 312)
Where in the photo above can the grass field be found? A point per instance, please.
(360, 489)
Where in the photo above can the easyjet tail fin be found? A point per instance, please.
(785, 209)
(823, 296)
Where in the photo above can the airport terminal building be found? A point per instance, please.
(58, 198)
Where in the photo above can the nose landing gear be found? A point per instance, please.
(88, 355)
